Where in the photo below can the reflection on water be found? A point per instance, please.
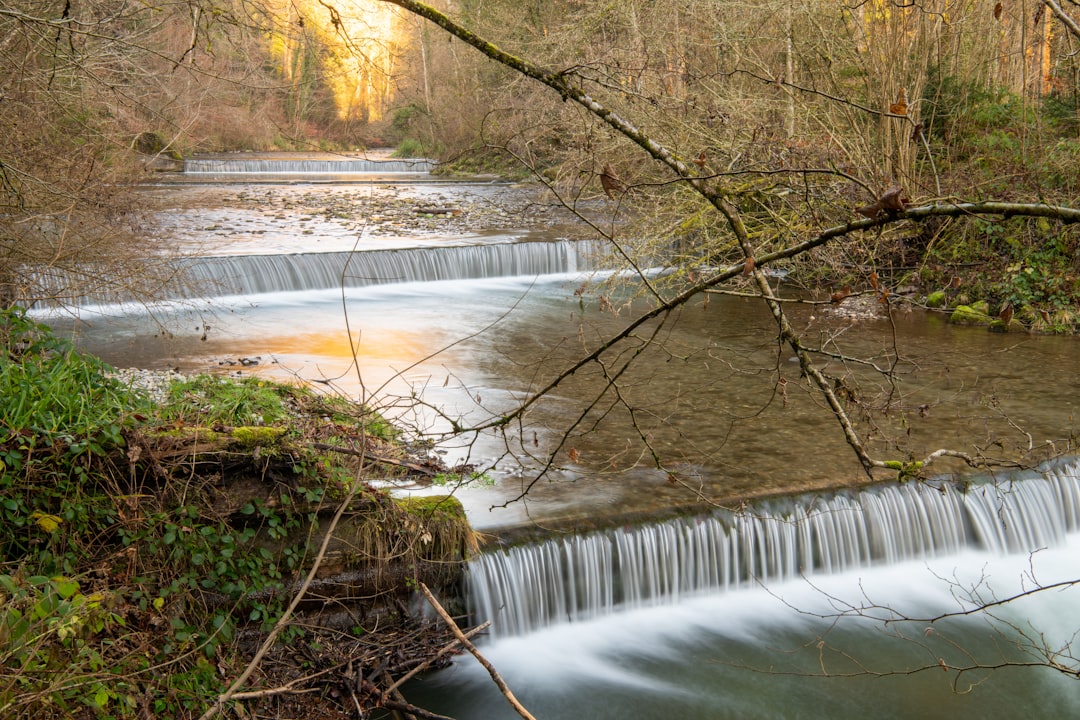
(705, 389)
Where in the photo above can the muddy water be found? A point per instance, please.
(709, 396)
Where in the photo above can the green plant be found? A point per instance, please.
(63, 414)
(48, 626)
(229, 401)
(410, 148)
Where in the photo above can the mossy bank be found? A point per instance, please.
(148, 542)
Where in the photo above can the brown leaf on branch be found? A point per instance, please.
(900, 106)
(874, 280)
(748, 266)
(891, 202)
(610, 183)
(838, 297)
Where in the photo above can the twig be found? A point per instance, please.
(518, 707)
(449, 647)
(268, 643)
(376, 458)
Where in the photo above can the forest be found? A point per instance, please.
(875, 156)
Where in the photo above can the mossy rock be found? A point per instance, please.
(936, 299)
(970, 315)
(442, 507)
(1014, 325)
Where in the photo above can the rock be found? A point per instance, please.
(970, 315)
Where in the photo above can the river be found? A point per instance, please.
(470, 311)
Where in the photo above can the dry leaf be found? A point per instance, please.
(997, 11)
(891, 201)
(700, 160)
(900, 106)
(873, 280)
(748, 266)
(610, 183)
(575, 455)
(838, 297)
(1006, 314)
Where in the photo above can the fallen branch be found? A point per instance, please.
(518, 707)
(449, 647)
(422, 469)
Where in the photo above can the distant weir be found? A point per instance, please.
(309, 166)
(526, 588)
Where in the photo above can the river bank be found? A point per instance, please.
(156, 520)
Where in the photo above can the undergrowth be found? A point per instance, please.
(131, 569)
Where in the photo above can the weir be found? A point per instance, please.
(256, 274)
(217, 276)
(306, 165)
(526, 588)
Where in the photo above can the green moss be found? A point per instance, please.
(446, 507)
(249, 436)
(970, 315)
(936, 299)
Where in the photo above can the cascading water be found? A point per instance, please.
(529, 587)
(305, 165)
(215, 276)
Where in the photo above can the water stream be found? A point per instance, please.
(711, 615)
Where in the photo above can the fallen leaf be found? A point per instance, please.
(700, 160)
(748, 266)
(575, 455)
(997, 11)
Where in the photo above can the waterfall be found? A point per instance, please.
(217, 276)
(305, 165)
(528, 587)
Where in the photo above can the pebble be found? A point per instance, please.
(154, 382)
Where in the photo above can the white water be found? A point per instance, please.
(798, 649)
(309, 165)
(530, 587)
(850, 607)
(231, 275)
